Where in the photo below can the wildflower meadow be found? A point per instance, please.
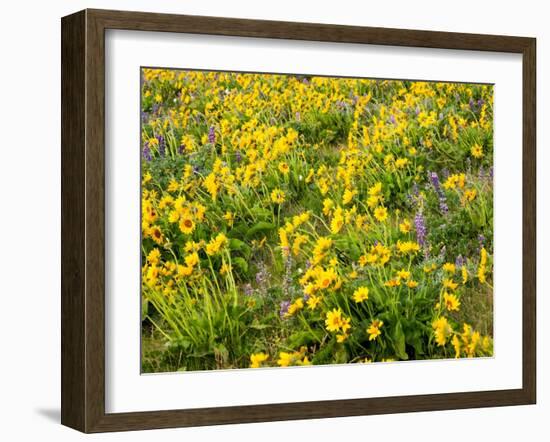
(292, 220)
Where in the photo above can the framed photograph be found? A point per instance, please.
(266, 220)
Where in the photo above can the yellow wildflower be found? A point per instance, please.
(361, 294)
(374, 329)
(334, 320)
(451, 302)
(406, 247)
(229, 217)
(257, 359)
(285, 359)
(313, 301)
(278, 196)
(187, 225)
(403, 274)
(477, 150)
(328, 205)
(153, 257)
(405, 226)
(449, 284)
(381, 213)
(295, 307)
(284, 168)
(449, 267)
(464, 275)
(442, 330)
(192, 259)
(348, 196)
(298, 242)
(456, 344)
(216, 244)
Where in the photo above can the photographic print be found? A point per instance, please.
(296, 220)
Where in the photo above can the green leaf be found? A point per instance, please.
(259, 227)
(257, 326)
(144, 309)
(236, 244)
(301, 338)
(341, 355)
(324, 354)
(399, 341)
(240, 263)
(261, 212)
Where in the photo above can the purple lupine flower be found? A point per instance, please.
(481, 240)
(491, 172)
(480, 102)
(459, 261)
(248, 290)
(284, 308)
(415, 189)
(211, 135)
(147, 153)
(434, 180)
(437, 186)
(162, 145)
(287, 278)
(181, 148)
(262, 275)
(298, 116)
(443, 205)
(420, 227)
(393, 120)
(238, 156)
(417, 110)
(262, 278)
(341, 105)
(472, 104)
(468, 165)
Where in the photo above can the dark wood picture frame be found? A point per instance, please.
(83, 216)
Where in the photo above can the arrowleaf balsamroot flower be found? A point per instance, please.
(451, 302)
(405, 226)
(476, 151)
(278, 196)
(187, 225)
(257, 359)
(335, 321)
(442, 330)
(361, 294)
(374, 329)
(381, 213)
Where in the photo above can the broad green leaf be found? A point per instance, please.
(241, 264)
(259, 227)
(399, 341)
